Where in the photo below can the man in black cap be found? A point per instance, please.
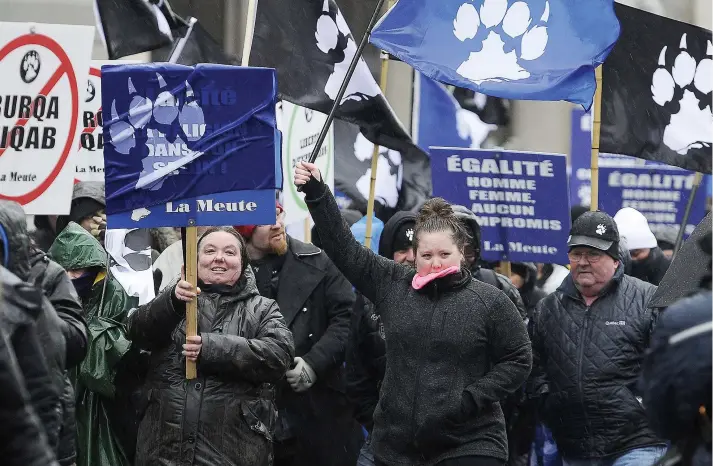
(589, 339)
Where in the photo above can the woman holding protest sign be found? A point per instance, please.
(455, 346)
(226, 416)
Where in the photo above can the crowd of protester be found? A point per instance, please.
(327, 353)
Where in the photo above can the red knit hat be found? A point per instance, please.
(246, 231)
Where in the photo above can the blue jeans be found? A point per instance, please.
(645, 456)
(366, 455)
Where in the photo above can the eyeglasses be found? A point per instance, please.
(592, 257)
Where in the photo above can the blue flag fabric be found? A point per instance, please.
(523, 49)
(178, 132)
(443, 122)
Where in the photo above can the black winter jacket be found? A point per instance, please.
(586, 364)
(226, 416)
(454, 348)
(62, 328)
(366, 349)
(503, 283)
(22, 438)
(653, 268)
(365, 360)
(23, 307)
(316, 426)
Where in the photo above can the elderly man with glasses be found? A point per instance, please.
(589, 340)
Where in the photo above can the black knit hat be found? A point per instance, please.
(403, 238)
(596, 230)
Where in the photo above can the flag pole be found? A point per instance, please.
(596, 126)
(345, 83)
(687, 213)
(383, 80)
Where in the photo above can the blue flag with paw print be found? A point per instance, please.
(190, 145)
(516, 49)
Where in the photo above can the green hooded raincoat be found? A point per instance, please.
(106, 312)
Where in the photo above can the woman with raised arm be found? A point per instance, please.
(455, 347)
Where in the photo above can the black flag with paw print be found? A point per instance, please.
(310, 45)
(657, 83)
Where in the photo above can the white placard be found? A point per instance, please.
(44, 71)
(300, 130)
(90, 155)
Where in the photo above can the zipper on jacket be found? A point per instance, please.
(580, 358)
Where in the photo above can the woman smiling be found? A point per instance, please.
(226, 416)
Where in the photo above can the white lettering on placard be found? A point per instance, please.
(529, 223)
(500, 196)
(645, 206)
(503, 183)
(207, 205)
(643, 194)
(519, 246)
(182, 207)
(618, 179)
(503, 209)
(500, 167)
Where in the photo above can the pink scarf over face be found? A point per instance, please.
(419, 281)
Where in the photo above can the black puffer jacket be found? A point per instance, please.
(226, 416)
(653, 268)
(51, 328)
(503, 283)
(459, 347)
(62, 326)
(22, 438)
(586, 364)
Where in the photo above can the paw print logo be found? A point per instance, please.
(30, 66)
(682, 90)
(502, 39)
(91, 92)
(335, 39)
(409, 234)
(584, 193)
(158, 118)
(601, 229)
(389, 172)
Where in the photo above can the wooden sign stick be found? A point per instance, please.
(191, 266)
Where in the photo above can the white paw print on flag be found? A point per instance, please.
(502, 39)
(157, 118)
(683, 89)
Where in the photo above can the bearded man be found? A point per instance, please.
(315, 425)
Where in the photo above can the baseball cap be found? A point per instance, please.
(596, 230)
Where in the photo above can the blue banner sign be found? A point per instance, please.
(234, 208)
(660, 193)
(519, 198)
(580, 189)
(180, 135)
